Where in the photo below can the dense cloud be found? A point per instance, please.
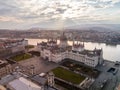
(25, 11)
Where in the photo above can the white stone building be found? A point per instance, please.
(14, 45)
(63, 41)
(18, 45)
(56, 53)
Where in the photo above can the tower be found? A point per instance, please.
(99, 52)
(50, 78)
(63, 41)
(101, 56)
(77, 45)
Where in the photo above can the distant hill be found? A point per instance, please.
(69, 25)
(98, 27)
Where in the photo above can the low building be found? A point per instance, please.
(16, 45)
(5, 68)
(23, 84)
(10, 46)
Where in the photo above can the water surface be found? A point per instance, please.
(110, 52)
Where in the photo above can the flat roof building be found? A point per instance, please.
(23, 84)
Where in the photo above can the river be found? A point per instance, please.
(110, 52)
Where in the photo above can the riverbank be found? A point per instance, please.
(106, 42)
(109, 52)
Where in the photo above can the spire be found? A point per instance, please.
(95, 48)
(73, 43)
(73, 40)
(83, 44)
(63, 37)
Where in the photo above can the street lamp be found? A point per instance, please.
(32, 69)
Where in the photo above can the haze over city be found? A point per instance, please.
(24, 14)
(59, 44)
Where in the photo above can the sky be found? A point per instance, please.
(22, 14)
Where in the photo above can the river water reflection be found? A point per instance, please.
(110, 52)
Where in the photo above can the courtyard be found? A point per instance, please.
(39, 64)
(74, 66)
(67, 75)
(20, 57)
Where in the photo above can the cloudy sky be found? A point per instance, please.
(15, 14)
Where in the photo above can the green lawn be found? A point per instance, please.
(80, 68)
(21, 57)
(68, 75)
(29, 46)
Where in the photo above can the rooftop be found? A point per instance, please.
(53, 48)
(90, 53)
(78, 45)
(23, 84)
(6, 43)
(40, 80)
(3, 63)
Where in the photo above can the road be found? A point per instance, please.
(112, 80)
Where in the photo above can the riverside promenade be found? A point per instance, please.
(107, 80)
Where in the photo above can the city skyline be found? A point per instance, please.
(16, 14)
